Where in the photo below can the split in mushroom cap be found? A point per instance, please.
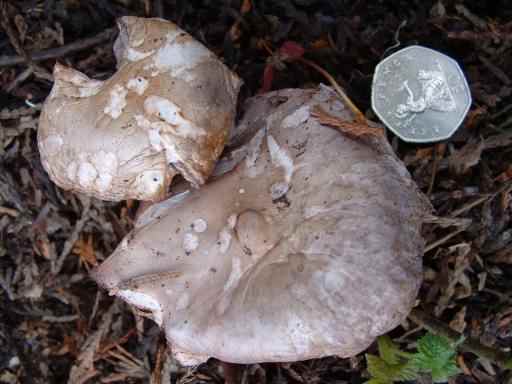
(311, 246)
(168, 109)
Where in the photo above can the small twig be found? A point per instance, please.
(445, 222)
(435, 167)
(503, 112)
(410, 332)
(470, 205)
(475, 20)
(60, 319)
(504, 188)
(20, 50)
(505, 124)
(70, 242)
(167, 367)
(19, 79)
(123, 339)
(358, 115)
(65, 50)
(437, 327)
(8, 211)
(6, 284)
(497, 72)
(501, 296)
(161, 354)
(123, 355)
(443, 240)
(397, 38)
(83, 367)
(7, 114)
(95, 308)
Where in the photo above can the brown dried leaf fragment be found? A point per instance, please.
(84, 248)
(468, 156)
(84, 369)
(349, 128)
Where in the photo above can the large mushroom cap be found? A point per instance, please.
(167, 109)
(311, 246)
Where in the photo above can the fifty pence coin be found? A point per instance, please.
(420, 94)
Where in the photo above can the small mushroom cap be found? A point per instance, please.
(311, 246)
(168, 109)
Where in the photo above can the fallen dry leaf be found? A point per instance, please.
(466, 157)
(84, 248)
(320, 43)
(84, 369)
(454, 277)
(420, 155)
(235, 31)
(474, 117)
(352, 129)
(458, 322)
(505, 175)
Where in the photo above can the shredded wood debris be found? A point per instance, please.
(56, 326)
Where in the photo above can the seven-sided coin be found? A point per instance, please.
(420, 94)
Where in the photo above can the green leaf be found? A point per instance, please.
(379, 369)
(436, 355)
(388, 350)
(508, 364)
(376, 381)
(387, 373)
(408, 371)
(436, 347)
(442, 374)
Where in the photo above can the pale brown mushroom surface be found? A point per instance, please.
(168, 109)
(309, 247)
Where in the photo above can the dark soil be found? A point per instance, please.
(52, 314)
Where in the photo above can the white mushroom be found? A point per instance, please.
(168, 109)
(320, 254)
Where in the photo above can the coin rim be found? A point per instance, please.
(397, 133)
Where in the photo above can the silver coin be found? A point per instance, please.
(420, 94)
